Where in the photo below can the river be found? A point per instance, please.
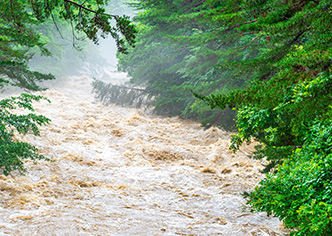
(119, 171)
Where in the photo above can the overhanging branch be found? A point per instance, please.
(88, 9)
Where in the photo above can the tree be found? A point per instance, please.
(18, 36)
(178, 49)
(13, 151)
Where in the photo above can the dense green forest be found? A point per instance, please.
(268, 60)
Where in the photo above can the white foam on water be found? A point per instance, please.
(118, 171)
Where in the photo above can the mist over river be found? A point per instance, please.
(119, 171)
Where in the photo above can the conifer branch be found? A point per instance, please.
(254, 39)
(296, 37)
(239, 25)
(131, 88)
(56, 25)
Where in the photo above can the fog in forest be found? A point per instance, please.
(73, 54)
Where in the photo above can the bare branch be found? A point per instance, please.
(236, 26)
(131, 88)
(315, 1)
(88, 9)
(250, 42)
(56, 26)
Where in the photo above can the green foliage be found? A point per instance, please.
(13, 151)
(299, 193)
(15, 40)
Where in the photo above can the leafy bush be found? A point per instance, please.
(13, 151)
(296, 137)
(300, 191)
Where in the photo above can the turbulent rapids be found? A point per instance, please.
(118, 171)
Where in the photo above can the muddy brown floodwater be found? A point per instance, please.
(118, 171)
